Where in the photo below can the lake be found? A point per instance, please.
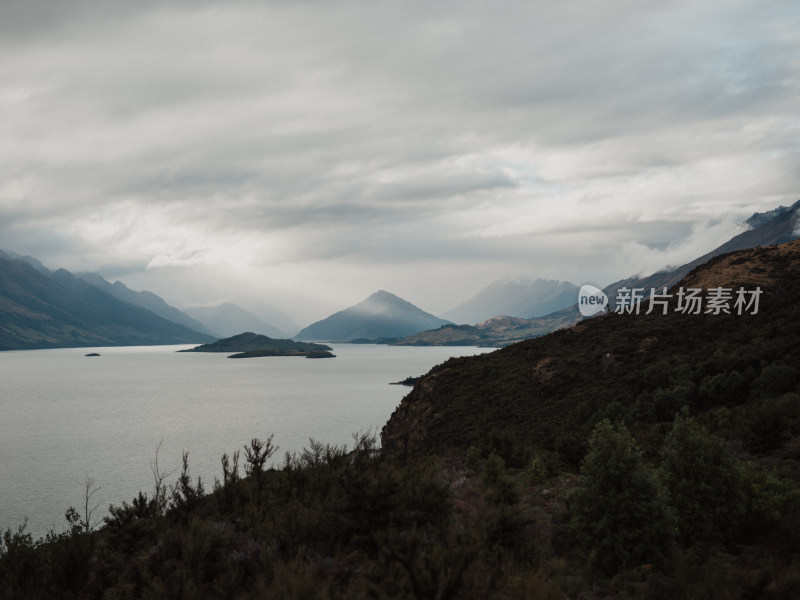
(66, 417)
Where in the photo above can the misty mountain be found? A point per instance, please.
(516, 298)
(26, 259)
(759, 219)
(39, 309)
(229, 319)
(783, 227)
(382, 315)
(144, 299)
(777, 230)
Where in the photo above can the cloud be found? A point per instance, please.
(459, 139)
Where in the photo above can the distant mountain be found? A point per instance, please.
(783, 227)
(39, 309)
(229, 319)
(26, 259)
(491, 333)
(759, 219)
(382, 315)
(144, 299)
(778, 230)
(516, 298)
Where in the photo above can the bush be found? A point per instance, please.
(618, 511)
(704, 483)
(494, 468)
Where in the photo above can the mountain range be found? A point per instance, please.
(44, 309)
(382, 315)
(770, 228)
(40, 309)
(146, 300)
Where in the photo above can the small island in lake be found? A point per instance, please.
(251, 345)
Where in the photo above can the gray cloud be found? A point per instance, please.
(292, 139)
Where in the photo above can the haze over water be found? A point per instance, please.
(67, 417)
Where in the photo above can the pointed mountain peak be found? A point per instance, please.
(381, 315)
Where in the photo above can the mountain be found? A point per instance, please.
(228, 319)
(144, 299)
(382, 315)
(516, 298)
(759, 219)
(26, 259)
(39, 309)
(767, 232)
(774, 227)
(491, 333)
(628, 368)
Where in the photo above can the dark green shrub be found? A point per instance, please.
(704, 483)
(776, 379)
(619, 511)
(493, 468)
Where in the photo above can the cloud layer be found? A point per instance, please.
(282, 148)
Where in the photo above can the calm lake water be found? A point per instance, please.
(66, 417)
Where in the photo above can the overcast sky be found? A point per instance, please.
(306, 154)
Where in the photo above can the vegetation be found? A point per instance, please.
(251, 345)
(653, 457)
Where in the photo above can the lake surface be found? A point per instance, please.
(66, 417)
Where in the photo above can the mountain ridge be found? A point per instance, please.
(39, 309)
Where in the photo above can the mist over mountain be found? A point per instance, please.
(144, 299)
(39, 309)
(770, 228)
(382, 315)
(766, 231)
(759, 219)
(515, 298)
(228, 319)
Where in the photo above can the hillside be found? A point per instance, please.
(638, 368)
(144, 299)
(39, 309)
(382, 315)
(491, 333)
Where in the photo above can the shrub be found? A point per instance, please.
(493, 468)
(704, 483)
(619, 511)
